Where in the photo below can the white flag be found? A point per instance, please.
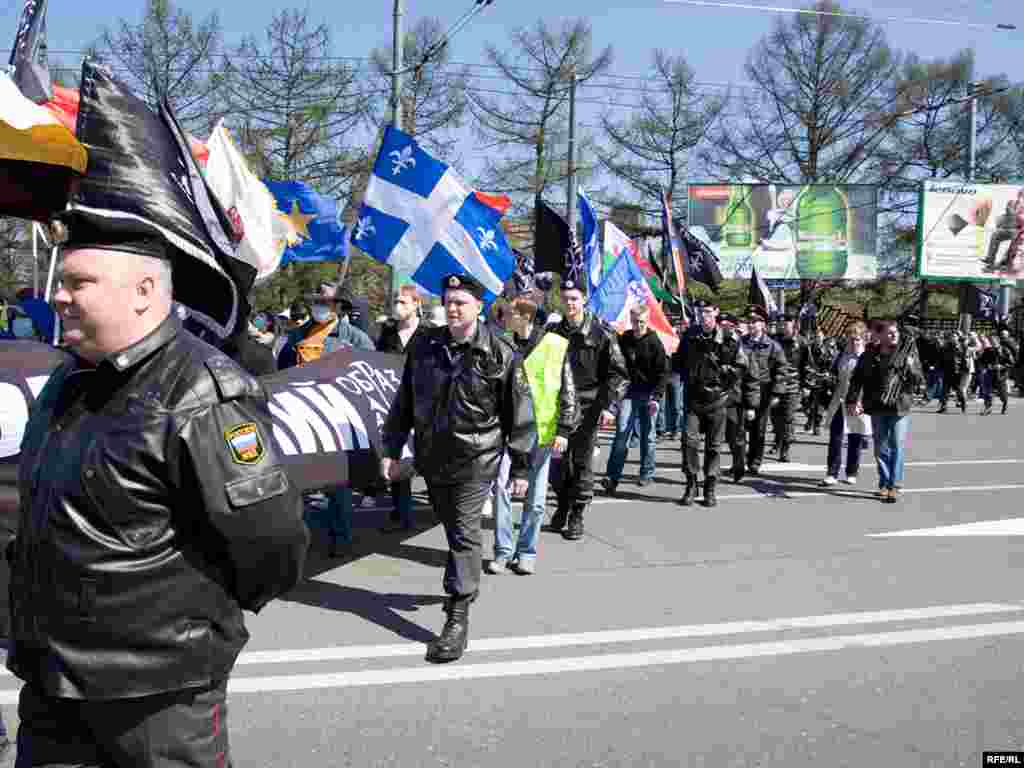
(240, 189)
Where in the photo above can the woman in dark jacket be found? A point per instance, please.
(890, 421)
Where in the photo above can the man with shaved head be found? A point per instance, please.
(154, 509)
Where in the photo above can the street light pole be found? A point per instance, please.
(570, 207)
(396, 67)
(972, 139)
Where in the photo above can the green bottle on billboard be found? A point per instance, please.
(823, 226)
(739, 224)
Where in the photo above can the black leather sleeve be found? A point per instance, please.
(517, 419)
(243, 497)
(614, 375)
(568, 403)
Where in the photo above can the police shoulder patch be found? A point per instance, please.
(244, 443)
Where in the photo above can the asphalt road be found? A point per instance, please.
(783, 628)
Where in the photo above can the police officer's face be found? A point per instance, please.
(708, 316)
(461, 309)
(103, 299)
(757, 327)
(789, 328)
(573, 300)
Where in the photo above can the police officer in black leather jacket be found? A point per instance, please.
(768, 364)
(153, 509)
(800, 366)
(466, 396)
(599, 370)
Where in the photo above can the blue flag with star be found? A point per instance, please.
(316, 232)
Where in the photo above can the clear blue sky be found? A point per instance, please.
(715, 41)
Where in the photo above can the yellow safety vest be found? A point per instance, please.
(544, 373)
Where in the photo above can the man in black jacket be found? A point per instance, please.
(647, 365)
(741, 407)
(395, 337)
(716, 364)
(465, 395)
(154, 509)
(800, 366)
(599, 372)
(768, 365)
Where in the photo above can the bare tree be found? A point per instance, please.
(525, 130)
(296, 107)
(169, 54)
(650, 150)
(15, 256)
(816, 79)
(433, 95)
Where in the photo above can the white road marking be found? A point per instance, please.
(1010, 527)
(595, 663)
(635, 635)
(864, 492)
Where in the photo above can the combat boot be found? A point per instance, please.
(710, 500)
(690, 492)
(559, 519)
(574, 530)
(1005, 403)
(784, 453)
(454, 637)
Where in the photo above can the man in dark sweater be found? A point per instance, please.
(647, 365)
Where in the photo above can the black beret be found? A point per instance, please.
(757, 313)
(728, 317)
(788, 316)
(571, 285)
(463, 282)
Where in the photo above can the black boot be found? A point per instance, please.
(454, 637)
(1005, 403)
(737, 470)
(559, 519)
(943, 408)
(784, 453)
(574, 530)
(690, 492)
(710, 500)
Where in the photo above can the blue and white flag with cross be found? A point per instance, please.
(420, 217)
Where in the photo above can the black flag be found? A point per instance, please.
(760, 295)
(701, 262)
(28, 57)
(555, 247)
(142, 180)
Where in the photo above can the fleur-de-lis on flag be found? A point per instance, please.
(364, 228)
(402, 159)
(487, 239)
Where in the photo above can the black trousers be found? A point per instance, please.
(577, 482)
(712, 424)
(784, 418)
(167, 730)
(736, 434)
(953, 385)
(458, 508)
(756, 432)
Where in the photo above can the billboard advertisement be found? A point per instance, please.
(971, 231)
(789, 232)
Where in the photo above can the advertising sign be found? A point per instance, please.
(971, 231)
(815, 231)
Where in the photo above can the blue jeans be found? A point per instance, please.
(890, 435)
(672, 414)
(505, 544)
(339, 514)
(633, 413)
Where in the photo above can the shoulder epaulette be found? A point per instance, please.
(231, 381)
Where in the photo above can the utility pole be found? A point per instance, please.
(570, 206)
(972, 138)
(396, 67)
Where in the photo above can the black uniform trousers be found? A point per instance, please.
(952, 384)
(757, 430)
(999, 386)
(712, 424)
(736, 434)
(784, 418)
(166, 730)
(576, 488)
(458, 507)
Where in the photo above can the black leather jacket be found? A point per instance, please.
(598, 367)
(153, 509)
(800, 363)
(718, 372)
(465, 408)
